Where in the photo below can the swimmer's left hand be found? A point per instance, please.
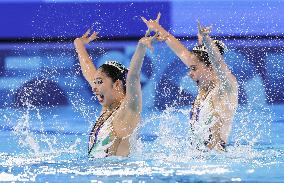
(153, 25)
(86, 39)
(203, 30)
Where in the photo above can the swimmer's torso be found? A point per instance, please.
(209, 108)
(103, 141)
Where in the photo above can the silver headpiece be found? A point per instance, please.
(204, 49)
(200, 48)
(117, 65)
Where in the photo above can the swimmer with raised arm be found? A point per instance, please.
(118, 90)
(213, 110)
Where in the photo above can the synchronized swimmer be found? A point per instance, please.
(217, 100)
(118, 90)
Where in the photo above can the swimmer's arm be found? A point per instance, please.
(227, 79)
(175, 45)
(86, 63)
(132, 105)
(133, 86)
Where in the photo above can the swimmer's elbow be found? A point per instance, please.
(132, 78)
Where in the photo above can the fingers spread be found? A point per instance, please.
(87, 33)
(93, 36)
(144, 20)
(198, 25)
(158, 17)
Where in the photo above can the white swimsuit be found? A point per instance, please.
(102, 140)
(203, 117)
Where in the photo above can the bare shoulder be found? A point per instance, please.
(125, 112)
(229, 86)
(125, 120)
(233, 82)
(228, 94)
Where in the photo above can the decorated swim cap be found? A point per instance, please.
(117, 65)
(221, 46)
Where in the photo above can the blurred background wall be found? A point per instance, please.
(39, 66)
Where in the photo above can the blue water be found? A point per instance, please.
(49, 144)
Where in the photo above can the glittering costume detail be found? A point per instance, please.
(203, 116)
(102, 141)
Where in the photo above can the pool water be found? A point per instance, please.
(50, 145)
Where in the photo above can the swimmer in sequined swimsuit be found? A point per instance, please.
(118, 90)
(214, 108)
(102, 141)
(203, 116)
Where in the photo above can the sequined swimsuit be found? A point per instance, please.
(102, 141)
(203, 116)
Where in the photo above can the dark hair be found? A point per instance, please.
(115, 71)
(203, 57)
(201, 52)
(221, 46)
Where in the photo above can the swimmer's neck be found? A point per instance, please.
(112, 106)
(206, 85)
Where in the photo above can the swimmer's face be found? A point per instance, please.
(103, 88)
(199, 72)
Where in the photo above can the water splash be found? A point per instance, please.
(22, 130)
(37, 142)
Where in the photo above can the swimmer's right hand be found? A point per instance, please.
(153, 25)
(203, 30)
(86, 39)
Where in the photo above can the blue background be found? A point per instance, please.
(36, 50)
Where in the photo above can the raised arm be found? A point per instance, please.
(131, 107)
(228, 85)
(133, 87)
(86, 63)
(227, 79)
(176, 46)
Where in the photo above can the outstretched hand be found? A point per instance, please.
(152, 25)
(87, 39)
(199, 36)
(203, 30)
